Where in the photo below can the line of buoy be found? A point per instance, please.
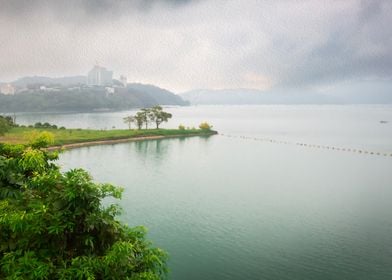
(352, 150)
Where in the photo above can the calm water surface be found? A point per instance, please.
(233, 208)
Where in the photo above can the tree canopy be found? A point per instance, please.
(6, 122)
(54, 225)
(4, 127)
(154, 114)
(158, 116)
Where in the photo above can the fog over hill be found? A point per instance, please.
(67, 94)
(65, 81)
(358, 93)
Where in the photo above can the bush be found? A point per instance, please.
(181, 127)
(41, 139)
(54, 225)
(205, 126)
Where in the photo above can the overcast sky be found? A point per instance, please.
(184, 45)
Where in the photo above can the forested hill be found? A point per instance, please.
(83, 99)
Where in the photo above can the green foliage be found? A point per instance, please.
(9, 120)
(205, 126)
(87, 99)
(40, 139)
(158, 116)
(181, 127)
(141, 118)
(145, 116)
(54, 225)
(129, 120)
(4, 126)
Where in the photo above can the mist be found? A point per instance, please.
(185, 45)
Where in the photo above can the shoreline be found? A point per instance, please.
(124, 140)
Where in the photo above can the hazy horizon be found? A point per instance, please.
(185, 45)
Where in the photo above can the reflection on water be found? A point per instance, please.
(156, 149)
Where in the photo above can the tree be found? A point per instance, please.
(140, 119)
(4, 126)
(129, 120)
(9, 120)
(158, 116)
(146, 116)
(54, 225)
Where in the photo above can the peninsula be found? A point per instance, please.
(74, 138)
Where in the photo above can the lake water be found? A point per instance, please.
(240, 208)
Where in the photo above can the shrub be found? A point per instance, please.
(41, 139)
(205, 126)
(54, 225)
(181, 127)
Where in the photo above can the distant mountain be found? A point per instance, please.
(251, 96)
(64, 81)
(348, 93)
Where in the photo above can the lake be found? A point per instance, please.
(255, 202)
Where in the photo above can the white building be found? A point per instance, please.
(109, 90)
(99, 76)
(7, 89)
(123, 80)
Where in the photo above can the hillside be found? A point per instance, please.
(88, 99)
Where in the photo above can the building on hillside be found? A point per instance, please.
(109, 90)
(123, 80)
(7, 89)
(99, 76)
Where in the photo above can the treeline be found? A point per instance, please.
(156, 116)
(7, 122)
(88, 99)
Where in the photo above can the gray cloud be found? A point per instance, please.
(87, 7)
(200, 44)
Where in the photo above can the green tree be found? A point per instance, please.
(9, 120)
(158, 116)
(4, 126)
(146, 116)
(53, 225)
(129, 120)
(140, 119)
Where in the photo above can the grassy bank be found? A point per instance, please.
(20, 135)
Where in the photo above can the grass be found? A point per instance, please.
(20, 135)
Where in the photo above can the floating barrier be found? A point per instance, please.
(307, 145)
